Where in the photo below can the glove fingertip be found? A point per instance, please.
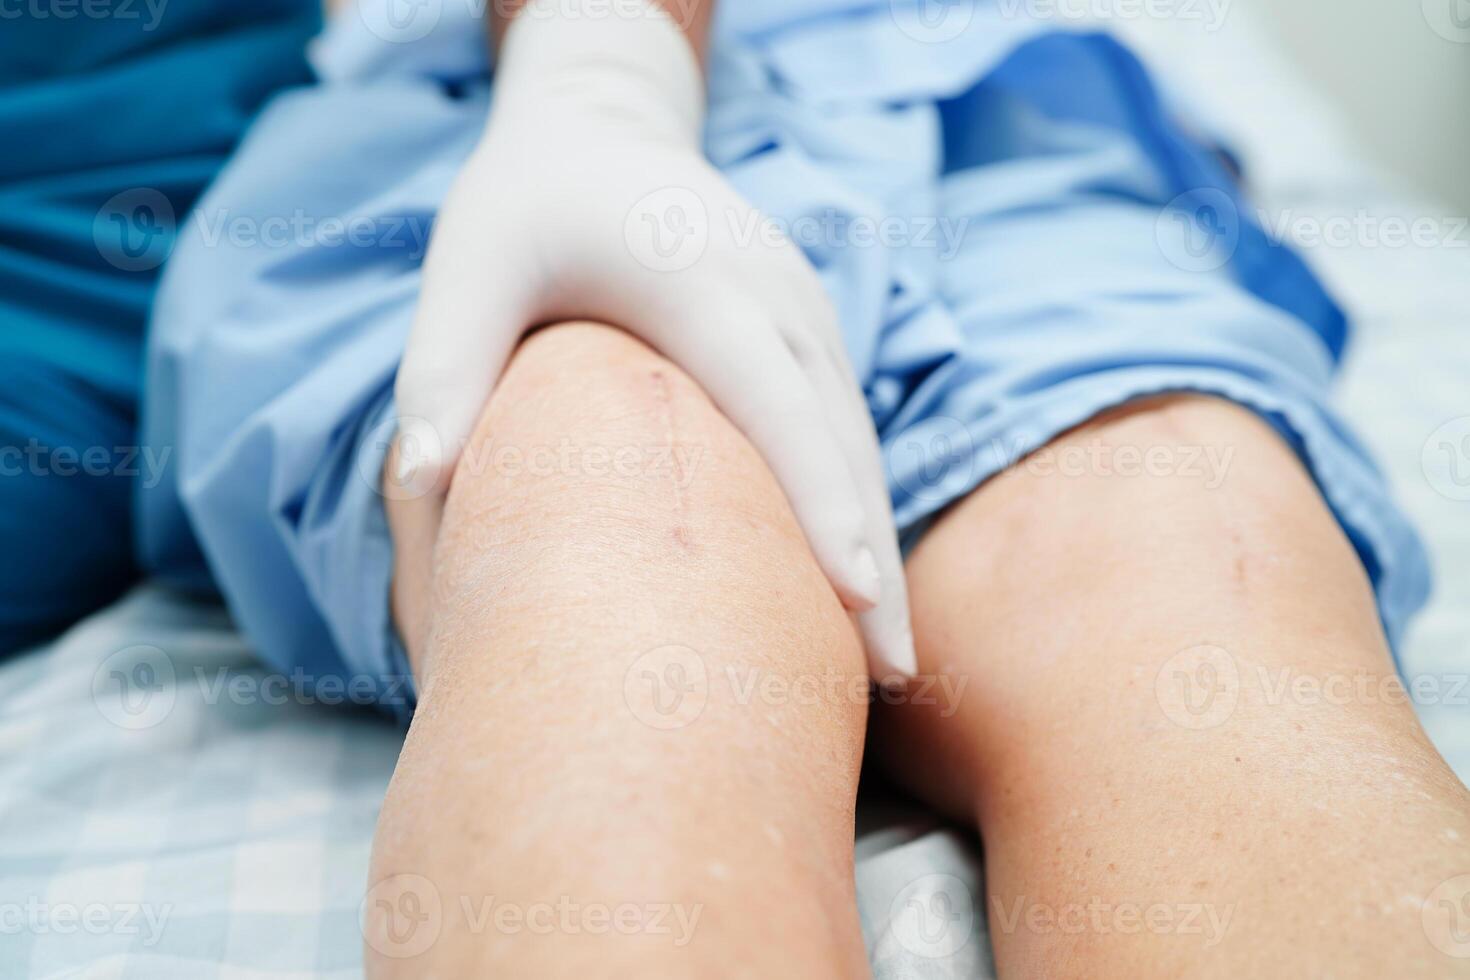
(423, 458)
(892, 658)
(898, 664)
(861, 587)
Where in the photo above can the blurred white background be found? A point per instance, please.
(1399, 71)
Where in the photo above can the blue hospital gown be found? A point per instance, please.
(1063, 245)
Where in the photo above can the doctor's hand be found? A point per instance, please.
(588, 198)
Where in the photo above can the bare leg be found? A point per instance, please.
(636, 694)
(1160, 792)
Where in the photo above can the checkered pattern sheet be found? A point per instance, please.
(163, 818)
(169, 810)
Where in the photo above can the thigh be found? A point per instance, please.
(636, 685)
(1158, 787)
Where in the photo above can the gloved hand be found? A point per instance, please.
(588, 198)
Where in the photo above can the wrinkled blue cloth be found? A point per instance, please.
(111, 125)
(1061, 246)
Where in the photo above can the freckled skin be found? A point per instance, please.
(1283, 813)
(1290, 839)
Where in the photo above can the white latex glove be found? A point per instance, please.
(588, 198)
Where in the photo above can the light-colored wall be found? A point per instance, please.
(1400, 70)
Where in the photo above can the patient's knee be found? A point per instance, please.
(599, 473)
(585, 408)
(1190, 490)
(592, 436)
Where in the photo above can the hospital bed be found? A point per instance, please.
(211, 827)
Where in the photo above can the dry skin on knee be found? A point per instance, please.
(1145, 731)
(636, 685)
